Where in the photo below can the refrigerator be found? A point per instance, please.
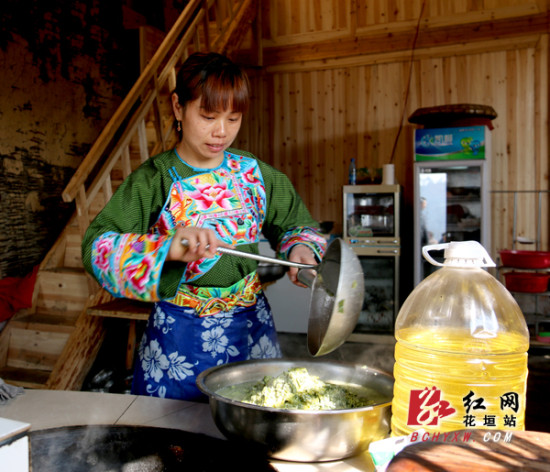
(372, 226)
(451, 190)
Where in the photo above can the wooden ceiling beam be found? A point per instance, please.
(388, 42)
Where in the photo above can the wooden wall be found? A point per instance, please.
(341, 78)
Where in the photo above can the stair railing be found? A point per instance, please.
(205, 25)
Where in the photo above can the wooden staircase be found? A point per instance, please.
(54, 343)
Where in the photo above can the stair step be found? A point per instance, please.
(122, 308)
(34, 349)
(27, 378)
(62, 290)
(44, 322)
(73, 247)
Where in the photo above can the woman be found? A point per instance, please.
(156, 239)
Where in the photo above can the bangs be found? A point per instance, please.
(221, 84)
(225, 92)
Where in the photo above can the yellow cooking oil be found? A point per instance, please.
(461, 349)
(457, 382)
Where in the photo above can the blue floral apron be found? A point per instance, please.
(177, 345)
(206, 326)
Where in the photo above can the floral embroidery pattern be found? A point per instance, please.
(129, 265)
(303, 235)
(154, 362)
(264, 315)
(162, 321)
(214, 338)
(179, 369)
(264, 349)
(207, 195)
(170, 364)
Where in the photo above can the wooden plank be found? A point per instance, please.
(31, 349)
(79, 353)
(467, 450)
(316, 155)
(230, 40)
(122, 308)
(73, 249)
(107, 188)
(298, 22)
(402, 40)
(62, 291)
(305, 105)
(205, 25)
(404, 55)
(294, 164)
(142, 138)
(4, 344)
(26, 378)
(125, 162)
(541, 126)
(45, 322)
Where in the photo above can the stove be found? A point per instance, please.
(99, 448)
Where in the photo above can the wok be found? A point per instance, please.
(337, 293)
(299, 435)
(120, 448)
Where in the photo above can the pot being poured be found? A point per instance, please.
(337, 293)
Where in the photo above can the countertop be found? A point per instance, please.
(44, 409)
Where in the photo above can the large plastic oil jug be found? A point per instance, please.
(461, 351)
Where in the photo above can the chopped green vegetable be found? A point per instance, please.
(297, 389)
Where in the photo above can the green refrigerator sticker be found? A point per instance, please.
(441, 144)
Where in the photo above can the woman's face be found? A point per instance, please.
(205, 136)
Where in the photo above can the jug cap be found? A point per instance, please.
(460, 254)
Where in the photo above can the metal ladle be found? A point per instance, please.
(337, 294)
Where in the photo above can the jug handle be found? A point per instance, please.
(433, 247)
(481, 255)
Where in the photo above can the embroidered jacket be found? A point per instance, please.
(126, 245)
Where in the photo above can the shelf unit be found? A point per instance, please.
(535, 305)
(372, 227)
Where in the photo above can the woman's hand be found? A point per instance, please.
(201, 243)
(304, 255)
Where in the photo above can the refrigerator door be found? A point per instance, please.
(451, 204)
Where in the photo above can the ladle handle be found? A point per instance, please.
(258, 257)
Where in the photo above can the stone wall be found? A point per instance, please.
(65, 65)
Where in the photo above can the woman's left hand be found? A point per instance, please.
(303, 255)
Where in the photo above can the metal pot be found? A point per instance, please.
(299, 435)
(337, 293)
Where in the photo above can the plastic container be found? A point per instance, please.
(352, 179)
(526, 282)
(525, 259)
(461, 351)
